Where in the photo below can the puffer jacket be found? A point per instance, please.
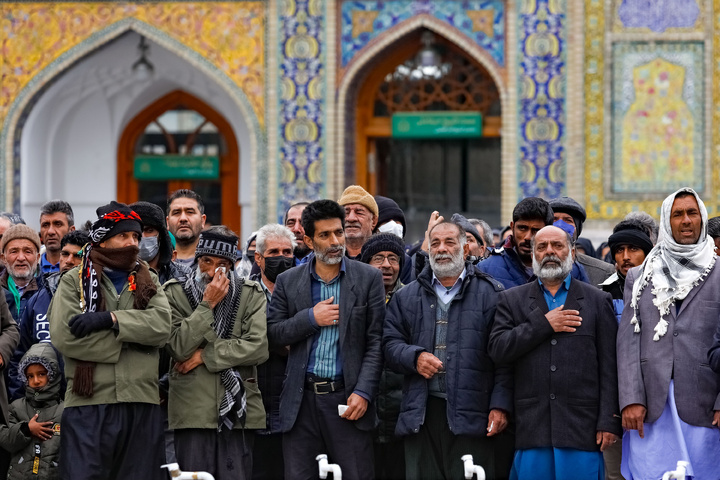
(126, 356)
(46, 403)
(194, 397)
(475, 384)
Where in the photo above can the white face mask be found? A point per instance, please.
(392, 227)
(149, 248)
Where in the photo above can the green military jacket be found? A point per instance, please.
(126, 357)
(194, 398)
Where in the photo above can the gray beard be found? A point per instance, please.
(447, 270)
(550, 272)
(324, 258)
(201, 279)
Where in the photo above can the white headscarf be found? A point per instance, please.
(673, 268)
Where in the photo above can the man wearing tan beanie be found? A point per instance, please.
(361, 216)
(20, 248)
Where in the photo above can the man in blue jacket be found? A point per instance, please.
(456, 401)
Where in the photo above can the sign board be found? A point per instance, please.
(437, 125)
(177, 167)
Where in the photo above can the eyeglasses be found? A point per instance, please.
(379, 259)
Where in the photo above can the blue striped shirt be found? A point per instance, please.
(325, 359)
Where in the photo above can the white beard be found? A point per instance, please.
(451, 269)
(551, 272)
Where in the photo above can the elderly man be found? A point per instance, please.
(109, 317)
(669, 396)
(34, 325)
(475, 242)
(572, 213)
(486, 233)
(559, 335)
(56, 220)
(218, 339)
(361, 217)
(293, 221)
(330, 313)
(20, 247)
(385, 251)
(455, 398)
(185, 220)
(273, 255)
(512, 264)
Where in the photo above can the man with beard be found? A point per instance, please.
(293, 221)
(219, 337)
(456, 401)
(361, 217)
(20, 247)
(669, 395)
(56, 220)
(109, 317)
(511, 265)
(330, 313)
(558, 334)
(34, 326)
(274, 255)
(185, 220)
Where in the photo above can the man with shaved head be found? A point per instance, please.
(559, 335)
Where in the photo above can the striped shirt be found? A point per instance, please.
(325, 359)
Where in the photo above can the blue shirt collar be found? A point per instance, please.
(566, 282)
(463, 274)
(314, 274)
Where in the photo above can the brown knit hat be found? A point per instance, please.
(357, 194)
(19, 231)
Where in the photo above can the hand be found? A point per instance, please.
(326, 313)
(497, 422)
(40, 430)
(633, 417)
(83, 324)
(191, 363)
(563, 320)
(716, 418)
(216, 289)
(435, 218)
(428, 365)
(357, 406)
(605, 440)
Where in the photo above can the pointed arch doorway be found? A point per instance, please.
(460, 175)
(178, 142)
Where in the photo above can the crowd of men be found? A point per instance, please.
(331, 335)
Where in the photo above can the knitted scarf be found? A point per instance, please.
(93, 300)
(233, 406)
(673, 268)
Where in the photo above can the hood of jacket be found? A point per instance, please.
(46, 355)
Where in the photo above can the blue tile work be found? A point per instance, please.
(658, 15)
(542, 65)
(454, 13)
(303, 51)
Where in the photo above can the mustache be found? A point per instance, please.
(443, 256)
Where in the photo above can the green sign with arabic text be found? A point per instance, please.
(177, 167)
(437, 125)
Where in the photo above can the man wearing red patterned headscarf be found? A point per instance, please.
(109, 317)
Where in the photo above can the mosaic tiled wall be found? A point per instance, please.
(303, 52)
(542, 40)
(364, 21)
(646, 127)
(228, 34)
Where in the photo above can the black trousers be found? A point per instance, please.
(319, 429)
(227, 454)
(268, 461)
(435, 452)
(122, 441)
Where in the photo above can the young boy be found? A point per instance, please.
(32, 435)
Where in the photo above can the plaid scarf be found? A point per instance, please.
(233, 406)
(673, 268)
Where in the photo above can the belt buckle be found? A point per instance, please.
(315, 387)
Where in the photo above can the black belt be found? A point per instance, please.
(323, 385)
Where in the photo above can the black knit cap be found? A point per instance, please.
(113, 219)
(630, 236)
(215, 244)
(383, 242)
(153, 216)
(572, 208)
(389, 210)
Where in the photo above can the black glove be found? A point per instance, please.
(83, 324)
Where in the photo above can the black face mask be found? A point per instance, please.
(274, 266)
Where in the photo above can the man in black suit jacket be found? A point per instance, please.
(330, 312)
(559, 334)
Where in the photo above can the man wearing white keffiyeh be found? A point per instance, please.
(218, 339)
(669, 396)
